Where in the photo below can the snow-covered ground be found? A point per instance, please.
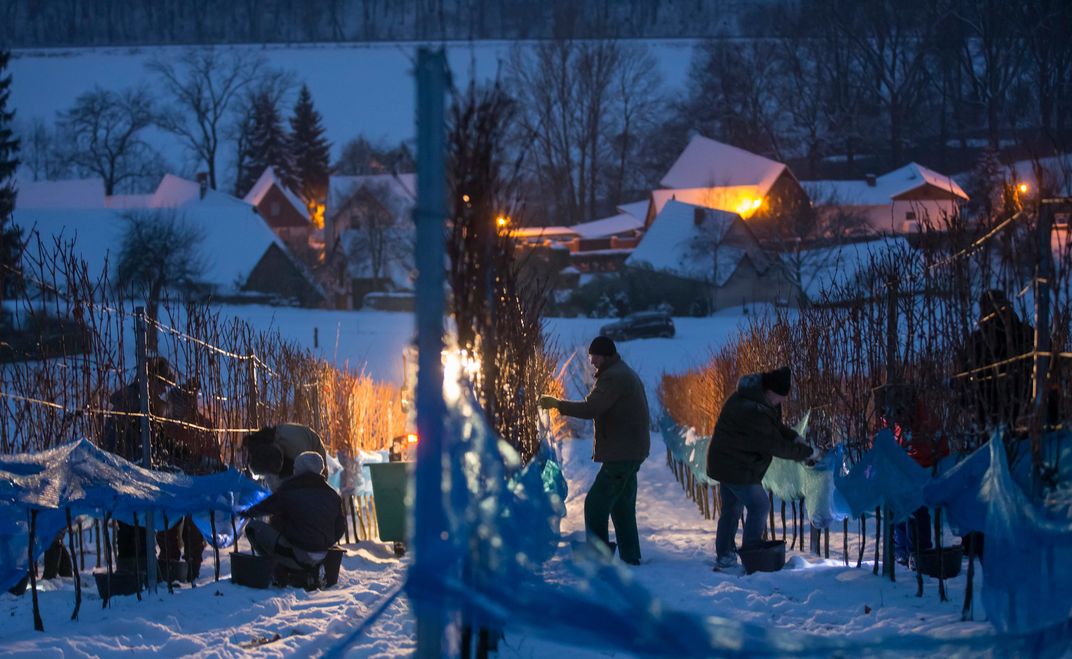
(811, 596)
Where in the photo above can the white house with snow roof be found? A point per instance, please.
(897, 202)
(281, 209)
(715, 252)
(714, 175)
(241, 254)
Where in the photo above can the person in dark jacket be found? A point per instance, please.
(619, 408)
(306, 518)
(748, 434)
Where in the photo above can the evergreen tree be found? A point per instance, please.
(265, 144)
(310, 152)
(10, 235)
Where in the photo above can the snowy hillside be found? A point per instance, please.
(359, 89)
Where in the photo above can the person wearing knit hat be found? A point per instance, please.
(618, 407)
(306, 519)
(749, 433)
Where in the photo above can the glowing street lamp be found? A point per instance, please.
(1023, 188)
(502, 221)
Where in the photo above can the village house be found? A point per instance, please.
(243, 258)
(722, 177)
(898, 202)
(281, 209)
(714, 252)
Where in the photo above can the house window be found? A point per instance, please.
(273, 208)
(910, 215)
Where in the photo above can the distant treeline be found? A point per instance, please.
(47, 23)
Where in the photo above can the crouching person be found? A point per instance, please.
(306, 520)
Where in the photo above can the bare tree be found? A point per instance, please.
(160, 251)
(204, 88)
(891, 43)
(41, 153)
(992, 57)
(102, 136)
(360, 156)
(581, 106)
(380, 236)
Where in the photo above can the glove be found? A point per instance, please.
(548, 403)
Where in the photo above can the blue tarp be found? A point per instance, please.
(1027, 564)
(85, 480)
(884, 476)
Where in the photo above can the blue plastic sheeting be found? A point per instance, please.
(884, 476)
(503, 523)
(787, 479)
(1027, 574)
(85, 480)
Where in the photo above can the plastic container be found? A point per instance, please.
(764, 557)
(928, 561)
(389, 481)
(251, 570)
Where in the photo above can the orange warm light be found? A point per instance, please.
(1023, 188)
(502, 221)
(747, 206)
(411, 439)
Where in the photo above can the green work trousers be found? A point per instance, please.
(613, 496)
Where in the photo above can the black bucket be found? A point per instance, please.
(764, 557)
(251, 570)
(951, 559)
(120, 583)
(332, 564)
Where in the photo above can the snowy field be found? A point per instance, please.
(360, 89)
(811, 596)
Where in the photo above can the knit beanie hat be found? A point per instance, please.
(603, 346)
(309, 462)
(778, 380)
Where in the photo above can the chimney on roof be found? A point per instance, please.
(697, 216)
(202, 182)
(872, 181)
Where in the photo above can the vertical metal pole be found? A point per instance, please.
(429, 539)
(140, 327)
(1043, 277)
(254, 394)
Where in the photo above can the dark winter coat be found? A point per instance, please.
(1002, 393)
(749, 432)
(619, 408)
(122, 434)
(306, 510)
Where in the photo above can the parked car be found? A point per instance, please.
(640, 325)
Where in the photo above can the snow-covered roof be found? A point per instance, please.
(401, 190)
(841, 266)
(887, 188)
(73, 193)
(676, 245)
(268, 179)
(235, 238)
(706, 163)
(609, 226)
(638, 209)
(532, 233)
